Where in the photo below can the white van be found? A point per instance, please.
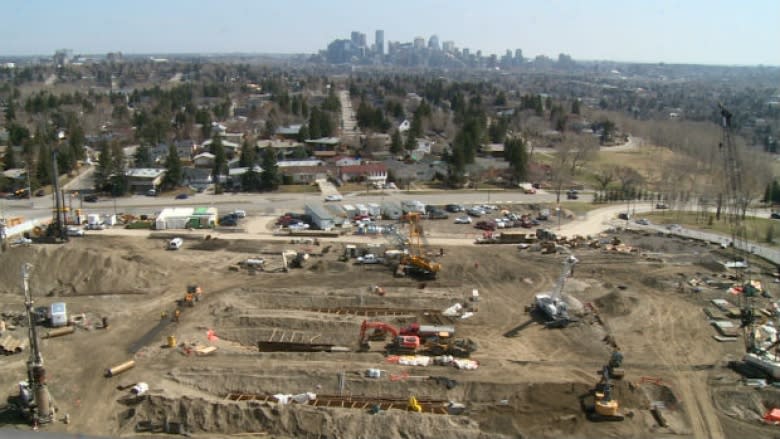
(175, 244)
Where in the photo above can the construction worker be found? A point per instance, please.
(163, 315)
(176, 315)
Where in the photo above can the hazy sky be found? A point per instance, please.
(684, 31)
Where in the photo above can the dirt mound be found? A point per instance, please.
(616, 303)
(201, 416)
(77, 270)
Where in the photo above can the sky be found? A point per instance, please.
(730, 32)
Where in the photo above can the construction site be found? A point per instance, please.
(619, 333)
(234, 337)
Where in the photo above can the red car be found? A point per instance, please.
(486, 225)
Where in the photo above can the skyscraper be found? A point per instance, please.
(433, 42)
(419, 42)
(379, 41)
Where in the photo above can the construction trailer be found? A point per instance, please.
(349, 210)
(186, 218)
(413, 206)
(374, 210)
(362, 209)
(321, 217)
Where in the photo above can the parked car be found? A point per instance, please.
(486, 225)
(463, 220)
(298, 226)
(643, 222)
(572, 194)
(91, 198)
(370, 259)
(74, 231)
(661, 206)
(624, 216)
(40, 193)
(182, 196)
(334, 197)
(239, 213)
(228, 220)
(775, 215)
(95, 227)
(475, 211)
(151, 193)
(437, 214)
(21, 241)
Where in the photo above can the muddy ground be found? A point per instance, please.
(529, 381)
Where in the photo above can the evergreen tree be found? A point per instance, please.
(516, 154)
(251, 181)
(248, 155)
(173, 172)
(396, 146)
(314, 123)
(103, 169)
(220, 159)
(575, 106)
(118, 171)
(303, 134)
(142, 157)
(270, 175)
(10, 112)
(43, 171)
(9, 161)
(411, 142)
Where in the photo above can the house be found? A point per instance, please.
(304, 174)
(231, 148)
(196, 177)
(282, 147)
(404, 126)
(324, 146)
(371, 172)
(424, 170)
(347, 161)
(204, 160)
(143, 179)
(184, 149)
(289, 131)
(493, 149)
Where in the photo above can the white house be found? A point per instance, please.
(204, 160)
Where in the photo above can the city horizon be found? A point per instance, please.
(635, 33)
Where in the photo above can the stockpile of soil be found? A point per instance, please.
(225, 418)
(74, 270)
(616, 303)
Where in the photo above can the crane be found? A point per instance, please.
(34, 397)
(551, 304)
(416, 262)
(757, 355)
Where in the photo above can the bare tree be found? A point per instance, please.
(604, 176)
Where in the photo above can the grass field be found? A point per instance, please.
(757, 229)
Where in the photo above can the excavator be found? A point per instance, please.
(605, 408)
(415, 263)
(416, 338)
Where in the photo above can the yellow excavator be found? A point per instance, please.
(605, 408)
(415, 263)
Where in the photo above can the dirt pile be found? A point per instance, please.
(617, 303)
(226, 418)
(74, 270)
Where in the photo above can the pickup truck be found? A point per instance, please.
(370, 259)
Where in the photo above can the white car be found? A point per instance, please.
(22, 241)
(298, 226)
(239, 213)
(74, 231)
(334, 197)
(463, 220)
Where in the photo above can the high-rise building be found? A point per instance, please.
(419, 42)
(358, 38)
(466, 52)
(448, 46)
(433, 42)
(379, 41)
(519, 56)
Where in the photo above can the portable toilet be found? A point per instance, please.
(58, 314)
